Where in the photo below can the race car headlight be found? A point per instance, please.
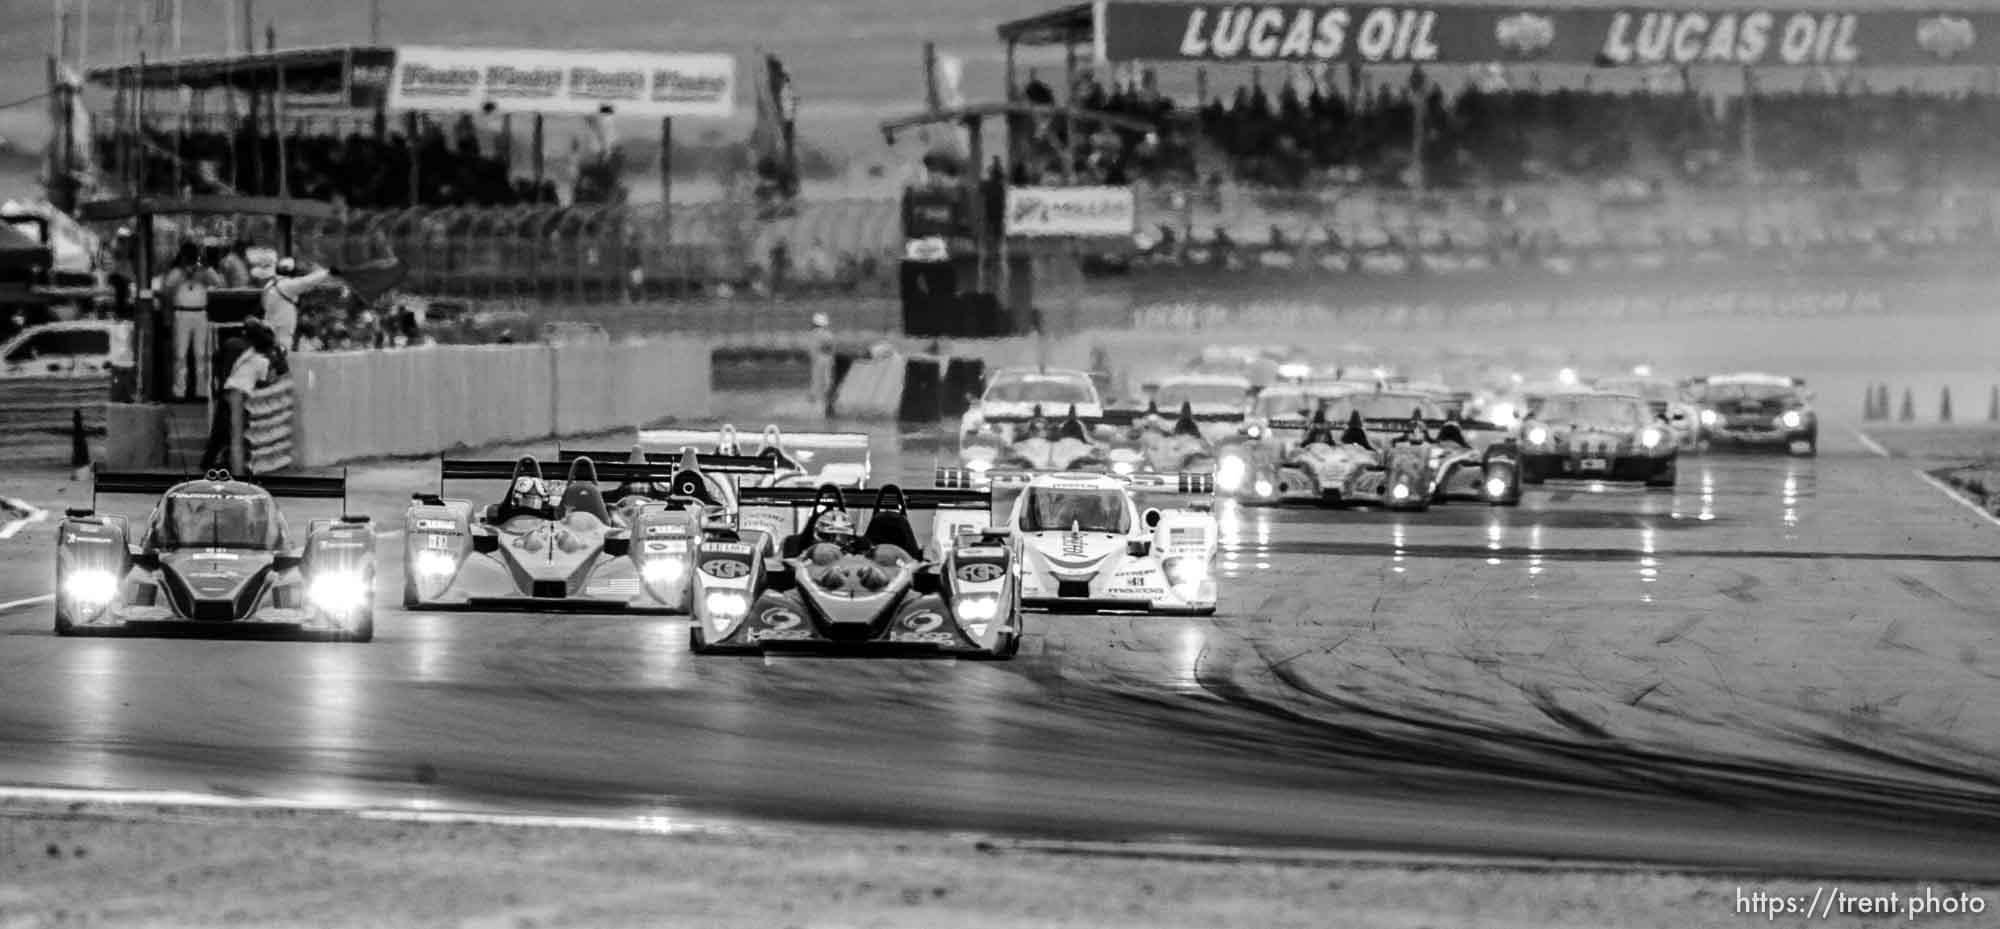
(1496, 487)
(979, 465)
(663, 572)
(1253, 431)
(1123, 467)
(1538, 435)
(90, 587)
(1399, 492)
(1792, 419)
(1183, 572)
(1295, 371)
(979, 609)
(1708, 418)
(1229, 473)
(1502, 413)
(726, 606)
(434, 564)
(1651, 437)
(1263, 487)
(338, 593)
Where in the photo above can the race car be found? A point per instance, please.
(1667, 397)
(1591, 435)
(836, 585)
(1087, 543)
(797, 459)
(1014, 395)
(561, 545)
(1753, 410)
(215, 555)
(1066, 444)
(1157, 445)
(1217, 402)
(1366, 463)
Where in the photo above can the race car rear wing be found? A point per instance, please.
(1107, 418)
(706, 461)
(1184, 482)
(296, 486)
(1392, 425)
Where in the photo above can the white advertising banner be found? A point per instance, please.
(1083, 212)
(439, 79)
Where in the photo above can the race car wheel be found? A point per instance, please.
(1665, 481)
(63, 626)
(362, 631)
(698, 643)
(1810, 451)
(1529, 475)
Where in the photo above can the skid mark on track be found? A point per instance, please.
(1543, 700)
(1680, 629)
(1743, 591)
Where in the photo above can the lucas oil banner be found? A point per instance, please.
(439, 79)
(1634, 36)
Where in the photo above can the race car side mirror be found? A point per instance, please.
(617, 546)
(79, 512)
(146, 561)
(286, 562)
(778, 578)
(1151, 518)
(485, 543)
(1139, 548)
(926, 583)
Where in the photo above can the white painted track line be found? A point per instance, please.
(1957, 497)
(1869, 442)
(26, 601)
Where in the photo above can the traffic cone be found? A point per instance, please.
(1944, 406)
(1868, 405)
(79, 447)
(1882, 401)
(1909, 407)
(1993, 405)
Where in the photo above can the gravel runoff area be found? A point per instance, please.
(118, 864)
(1965, 458)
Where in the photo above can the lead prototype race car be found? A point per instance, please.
(836, 585)
(1591, 436)
(562, 545)
(215, 555)
(1405, 463)
(1089, 545)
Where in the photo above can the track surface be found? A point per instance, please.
(1785, 665)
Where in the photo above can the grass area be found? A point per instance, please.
(101, 865)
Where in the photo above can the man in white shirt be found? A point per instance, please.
(281, 299)
(186, 284)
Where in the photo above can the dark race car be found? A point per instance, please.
(1593, 436)
(569, 545)
(215, 556)
(1756, 411)
(838, 586)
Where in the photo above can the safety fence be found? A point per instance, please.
(355, 405)
(50, 420)
(262, 428)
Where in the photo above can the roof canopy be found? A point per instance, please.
(1069, 25)
(327, 66)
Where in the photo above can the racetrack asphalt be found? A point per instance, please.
(1784, 665)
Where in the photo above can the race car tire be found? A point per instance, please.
(410, 601)
(63, 626)
(363, 631)
(1665, 482)
(697, 643)
(1529, 475)
(1811, 450)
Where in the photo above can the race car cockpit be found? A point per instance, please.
(1319, 432)
(1450, 432)
(527, 495)
(1356, 433)
(1185, 425)
(1050, 509)
(1416, 434)
(1072, 428)
(773, 450)
(581, 497)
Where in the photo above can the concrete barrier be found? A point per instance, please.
(352, 405)
(38, 415)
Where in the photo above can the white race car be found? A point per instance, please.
(1089, 542)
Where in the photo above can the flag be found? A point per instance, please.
(777, 113)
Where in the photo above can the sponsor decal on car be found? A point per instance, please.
(981, 552)
(728, 569)
(669, 529)
(756, 635)
(984, 572)
(726, 548)
(659, 547)
(434, 525)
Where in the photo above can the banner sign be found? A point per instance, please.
(581, 83)
(1085, 212)
(1608, 37)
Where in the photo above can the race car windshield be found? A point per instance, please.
(218, 521)
(1750, 393)
(1046, 391)
(1650, 391)
(1051, 510)
(1171, 396)
(1382, 406)
(1617, 411)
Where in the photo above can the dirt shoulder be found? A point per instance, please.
(116, 865)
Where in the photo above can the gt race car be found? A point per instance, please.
(1587, 435)
(878, 590)
(561, 545)
(1752, 411)
(799, 459)
(215, 555)
(1667, 397)
(1093, 543)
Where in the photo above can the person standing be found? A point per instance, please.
(280, 300)
(243, 362)
(820, 354)
(187, 284)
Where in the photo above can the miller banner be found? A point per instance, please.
(1083, 212)
(438, 79)
(1609, 37)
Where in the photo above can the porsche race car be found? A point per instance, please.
(876, 590)
(215, 555)
(562, 545)
(1591, 435)
(1093, 543)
